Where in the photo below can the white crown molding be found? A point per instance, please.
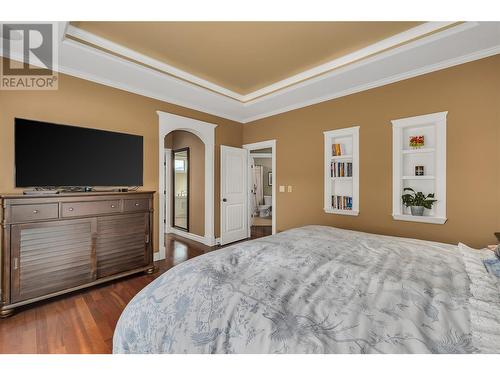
(391, 42)
(141, 58)
(386, 81)
(82, 61)
(455, 45)
(385, 44)
(374, 58)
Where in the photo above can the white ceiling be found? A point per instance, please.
(378, 66)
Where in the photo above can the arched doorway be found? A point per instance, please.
(206, 132)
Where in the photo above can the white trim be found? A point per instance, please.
(258, 146)
(391, 42)
(395, 40)
(261, 155)
(352, 132)
(167, 165)
(139, 57)
(386, 81)
(418, 120)
(206, 132)
(421, 219)
(80, 55)
(438, 122)
(191, 236)
(453, 46)
(342, 212)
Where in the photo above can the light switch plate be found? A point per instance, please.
(282, 189)
(289, 188)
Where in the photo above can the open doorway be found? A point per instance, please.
(193, 218)
(184, 192)
(262, 188)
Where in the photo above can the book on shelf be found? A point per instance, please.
(338, 149)
(341, 202)
(341, 169)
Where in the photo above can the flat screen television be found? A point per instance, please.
(52, 155)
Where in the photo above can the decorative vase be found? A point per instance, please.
(417, 210)
(417, 141)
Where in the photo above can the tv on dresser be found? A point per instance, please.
(53, 155)
(56, 244)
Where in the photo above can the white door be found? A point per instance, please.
(234, 200)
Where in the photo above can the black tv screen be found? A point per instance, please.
(59, 155)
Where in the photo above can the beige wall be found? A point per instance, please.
(471, 94)
(181, 139)
(83, 103)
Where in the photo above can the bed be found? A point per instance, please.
(319, 289)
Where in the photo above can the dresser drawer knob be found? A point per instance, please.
(112, 206)
(70, 209)
(137, 204)
(35, 211)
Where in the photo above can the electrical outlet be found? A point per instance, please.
(289, 188)
(282, 189)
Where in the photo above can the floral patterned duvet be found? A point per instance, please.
(319, 290)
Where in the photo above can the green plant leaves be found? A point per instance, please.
(418, 199)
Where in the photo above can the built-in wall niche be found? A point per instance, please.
(419, 162)
(342, 171)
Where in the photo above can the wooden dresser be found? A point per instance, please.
(53, 245)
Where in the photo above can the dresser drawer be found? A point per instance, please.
(29, 212)
(135, 205)
(72, 209)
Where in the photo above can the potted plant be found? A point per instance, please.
(417, 201)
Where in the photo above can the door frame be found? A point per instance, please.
(172, 193)
(257, 146)
(169, 122)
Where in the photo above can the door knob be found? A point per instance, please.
(224, 199)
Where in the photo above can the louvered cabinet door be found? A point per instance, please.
(51, 256)
(122, 243)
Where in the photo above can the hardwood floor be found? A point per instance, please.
(84, 321)
(260, 231)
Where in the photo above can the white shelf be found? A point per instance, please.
(418, 178)
(342, 186)
(419, 151)
(341, 157)
(420, 219)
(341, 212)
(341, 178)
(432, 157)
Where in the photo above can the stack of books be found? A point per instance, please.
(343, 169)
(340, 202)
(338, 149)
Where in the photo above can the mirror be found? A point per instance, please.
(180, 188)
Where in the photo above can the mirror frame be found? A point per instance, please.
(173, 188)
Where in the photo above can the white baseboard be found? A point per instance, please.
(191, 236)
(158, 256)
